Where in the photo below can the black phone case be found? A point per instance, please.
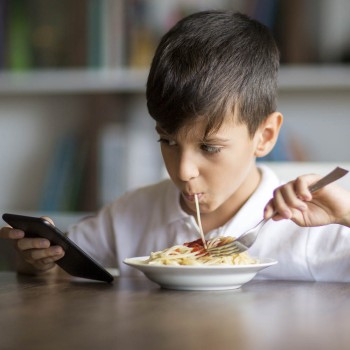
(75, 261)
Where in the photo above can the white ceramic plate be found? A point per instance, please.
(199, 277)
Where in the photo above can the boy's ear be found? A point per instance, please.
(267, 134)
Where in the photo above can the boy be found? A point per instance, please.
(212, 91)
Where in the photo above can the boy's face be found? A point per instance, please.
(219, 168)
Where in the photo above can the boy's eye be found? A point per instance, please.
(167, 141)
(210, 149)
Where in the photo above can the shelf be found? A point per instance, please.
(73, 81)
(134, 80)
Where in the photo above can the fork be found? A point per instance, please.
(247, 239)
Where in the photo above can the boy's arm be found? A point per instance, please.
(294, 201)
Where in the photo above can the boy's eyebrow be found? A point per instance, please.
(215, 139)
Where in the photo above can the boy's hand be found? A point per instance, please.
(294, 201)
(37, 253)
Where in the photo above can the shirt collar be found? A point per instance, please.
(252, 211)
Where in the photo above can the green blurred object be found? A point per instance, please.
(18, 52)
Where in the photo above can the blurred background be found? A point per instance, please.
(74, 128)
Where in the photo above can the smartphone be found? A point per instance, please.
(75, 261)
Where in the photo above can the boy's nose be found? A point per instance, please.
(187, 167)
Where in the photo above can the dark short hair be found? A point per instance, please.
(211, 63)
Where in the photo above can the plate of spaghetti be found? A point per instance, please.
(191, 267)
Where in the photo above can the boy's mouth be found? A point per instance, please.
(190, 196)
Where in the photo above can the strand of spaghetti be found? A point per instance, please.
(199, 221)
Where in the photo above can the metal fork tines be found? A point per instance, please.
(239, 245)
(247, 239)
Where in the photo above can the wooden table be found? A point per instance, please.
(133, 313)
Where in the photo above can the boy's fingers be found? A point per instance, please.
(49, 255)
(271, 213)
(285, 200)
(281, 208)
(269, 210)
(291, 198)
(44, 266)
(33, 243)
(53, 253)
(302, 184)
(11, 233)
(48, 219)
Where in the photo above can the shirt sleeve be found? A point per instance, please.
(95, 236)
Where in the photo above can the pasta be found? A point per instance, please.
(194, 253)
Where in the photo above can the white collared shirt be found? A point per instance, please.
(151, 219)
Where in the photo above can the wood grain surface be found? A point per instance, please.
(55, 312)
